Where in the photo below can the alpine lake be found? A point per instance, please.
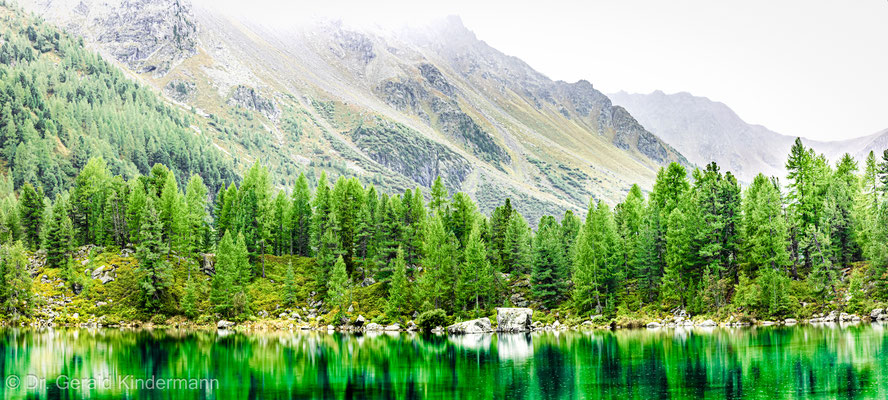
(804, 361)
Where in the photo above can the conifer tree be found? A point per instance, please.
(15, 292)
(31, 209)
(596, 261)
(156, 276)
(60, 237)
(475, 273)
(135, 209)
(170, 210)
(291, 290)
(322, 210)
(549, 272)
(765, 237)
(440, 197)
(516, 254)
(338, 287)
(196, 217)
(301, 216)
(189, 301)
(397, 293)
(439, 260)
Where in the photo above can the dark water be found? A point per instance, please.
(774, 362)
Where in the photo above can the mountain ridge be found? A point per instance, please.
(706, 130)
(312, 97)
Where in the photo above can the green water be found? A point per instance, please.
(796, 362)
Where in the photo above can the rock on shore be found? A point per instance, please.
(513, 319)
(480, 325)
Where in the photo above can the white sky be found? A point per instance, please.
(812, 68)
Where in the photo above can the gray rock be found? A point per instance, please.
(223, 324)
(513, 319)
(767, 323)
(518, 300)
(250, 98)
(790, 321)
(876, 313)
(654, 325)
(351, 309)
(480, 325)
(96, 273)
(367, 282)
(708, 323)
(393, 328)
(359, 321)
(831, 317)
(373, 326)
(262, 314)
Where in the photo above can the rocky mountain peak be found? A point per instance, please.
(145, 35)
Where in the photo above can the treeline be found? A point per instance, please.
(61, 105)
(701, 244)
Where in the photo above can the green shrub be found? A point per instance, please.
(431, 319)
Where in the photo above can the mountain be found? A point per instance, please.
(60, 105)
(705, 130)
(395, 107)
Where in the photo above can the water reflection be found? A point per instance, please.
(774, 362)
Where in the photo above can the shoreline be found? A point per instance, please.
(277, 326)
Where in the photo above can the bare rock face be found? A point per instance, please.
(250, 98)
(150, 35)
(145, 35)
(513, 319)
(480, 325)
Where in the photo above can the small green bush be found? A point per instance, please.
(431, 319)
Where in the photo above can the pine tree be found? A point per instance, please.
(170, 211)
(135, 209)
(516, 254)
(764, 234)
(31, 209)
(439, 196)
(439, 263)
(301, 215)
(322, 211)
(628, 218)
(548, 273)
(338, 287)
(675, 289)
(228, 291)
(223, 282)
(196, 218)
(189, 301)
(88, 200)
(397, 292)
(475, 273)
(15, 291)
(596, 262)
(156, 276)
(291, 290)
(60, 237)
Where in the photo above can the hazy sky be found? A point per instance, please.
(812, 68)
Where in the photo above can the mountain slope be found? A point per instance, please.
(62, 105)
(396, 108)
(705, 131)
